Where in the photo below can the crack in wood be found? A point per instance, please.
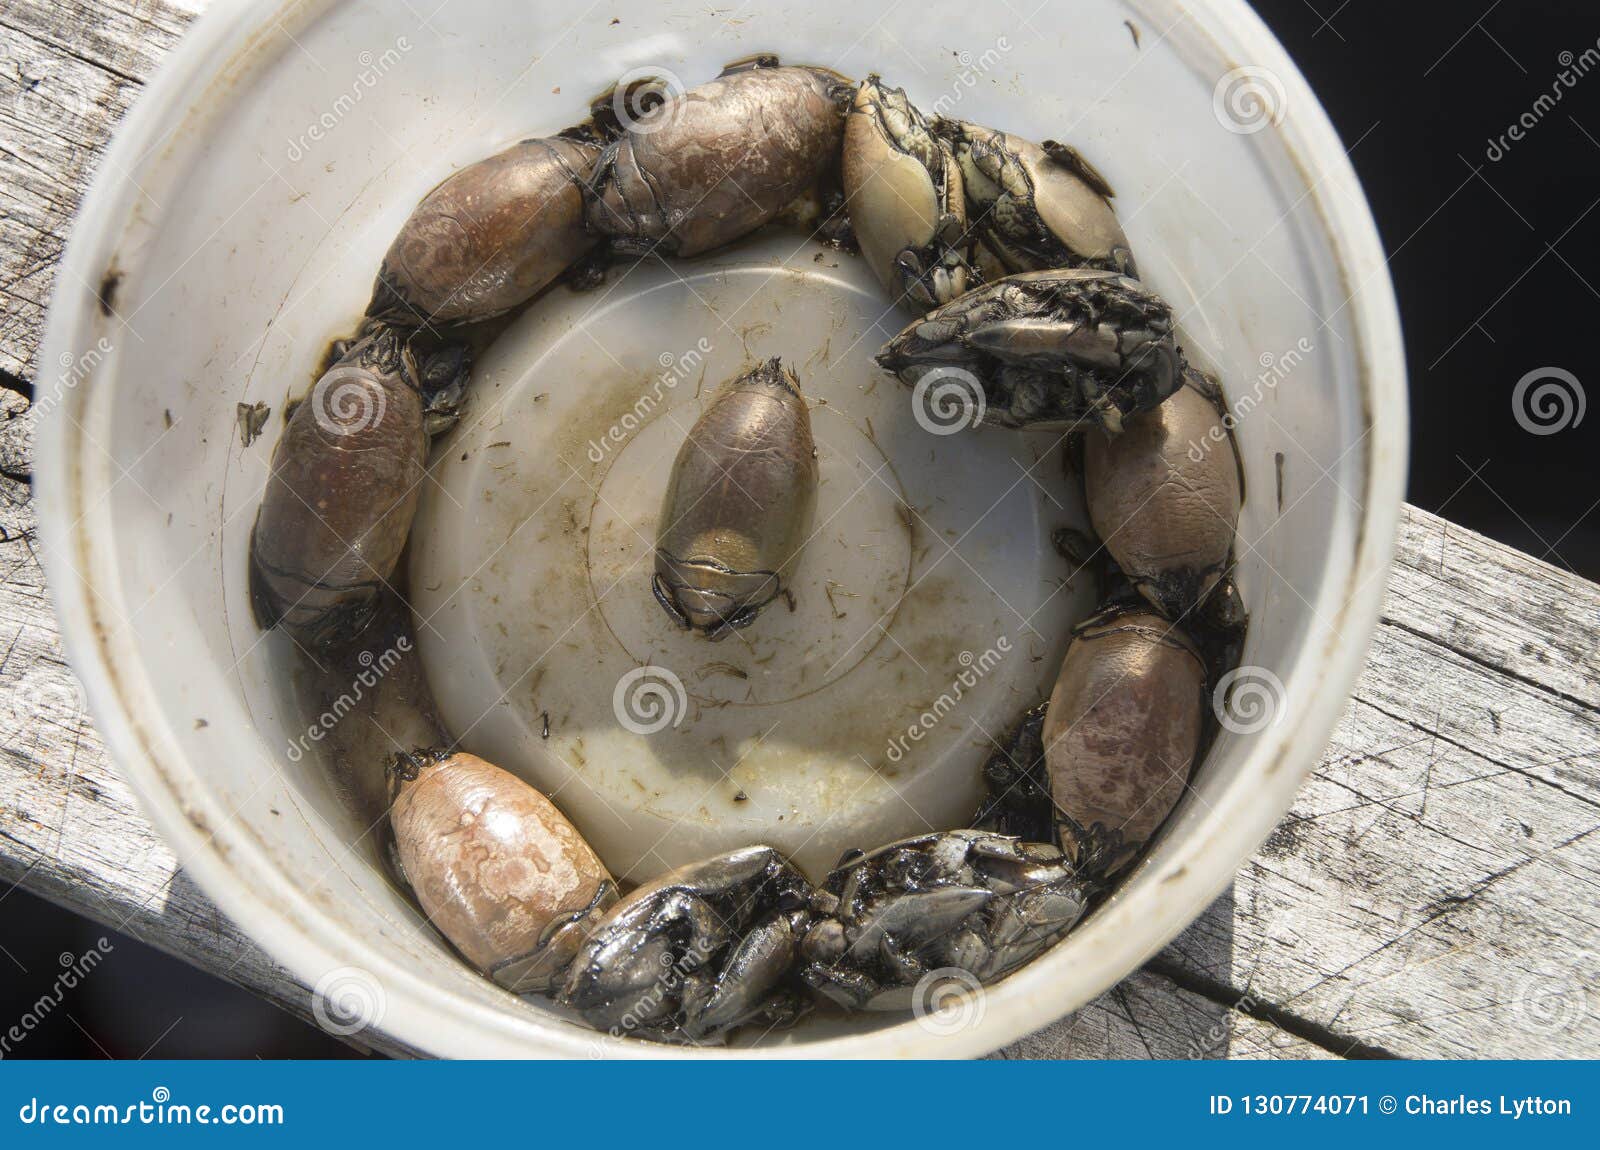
(1340, 1045)
(1494, 667)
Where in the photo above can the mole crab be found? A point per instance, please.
(1050, 348)
(969, 900)
(698, 951)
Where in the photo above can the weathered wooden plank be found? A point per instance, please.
(1149, 1016)
(1434, 890)
(1480, 598)
(15, 434)
(68, 72)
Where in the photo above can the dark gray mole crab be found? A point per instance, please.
(966, 900)
(697, 952)
(1050, 348)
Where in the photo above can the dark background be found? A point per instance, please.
(1493, 261)
(1494, 264)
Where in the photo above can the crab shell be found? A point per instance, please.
(497, 869)
(739, 503)
(718, 161)
(972, 900)
(1122, 733)
(1037, 207)
(1165, 495)
(343, 490)
(693, 952)
(488, 238)
(902, 187)
(1050, 346)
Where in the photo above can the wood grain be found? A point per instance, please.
(68, 72)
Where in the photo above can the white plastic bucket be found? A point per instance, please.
(235, 226)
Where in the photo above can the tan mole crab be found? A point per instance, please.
(1036, 206)
(739, 504)
(342, 493)
(904, 193)
(1050, 348)
(697, 952)
(1101, 766)
(704, 167)
(496, 866)
(1165, 497)
(967, 900)
(490, 237)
